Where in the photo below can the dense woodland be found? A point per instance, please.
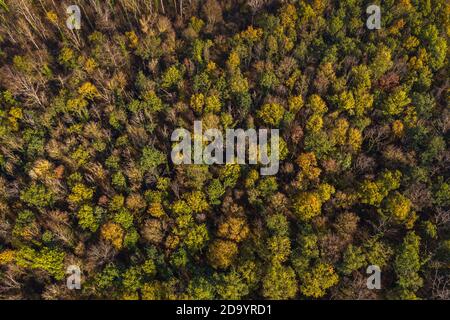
(86, 176)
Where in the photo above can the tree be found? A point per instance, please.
(86, 176)
(346, 101)
(353, 259)
(151, 158)
(397, 128)
(396, 102)
(398, 206)
(307, 205)
(437, 46)
(212, 12)
(279, 283)
(80, 194)
(373, 192)
(382, 62)
(50, 260)
(215, 191)
(221, 253)
(317, 105)
(326, 191)
(271, 114)
(407, 265)
(278, 224)
(114, 233)
(88, 91)
(279, 248)
(197, 102)
(153, 231)
(233, 228)
(197, 201)
(171, 77)
(197, 237)
(315, 123)
(6, 256)
(231, 286)
(89, 218)
(295, 103)
(38, 196)
(378, 253)
(132, 280)
(308, 163)
(315, 282)
(442, 195)
(354, 139)
(213, 104)
(200, 289)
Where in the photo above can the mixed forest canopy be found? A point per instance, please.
(86, 177)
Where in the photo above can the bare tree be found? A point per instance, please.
(440, 289)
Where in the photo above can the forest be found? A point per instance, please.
(86, 177)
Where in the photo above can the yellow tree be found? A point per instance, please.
(221, 253)
(307, 205)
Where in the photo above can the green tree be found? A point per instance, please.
(89, 218)
(315, 282)
(151, 158)
(353, 259)
(279, 283)
(38, 196)
(407, 265)
(231, 286)
(171, 77)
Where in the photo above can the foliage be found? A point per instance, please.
(279, 283)
(221, 253)
(86, 175)
(307, 205)
(318, 280)
(407, 265)
(38, 196)
(271, 114)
